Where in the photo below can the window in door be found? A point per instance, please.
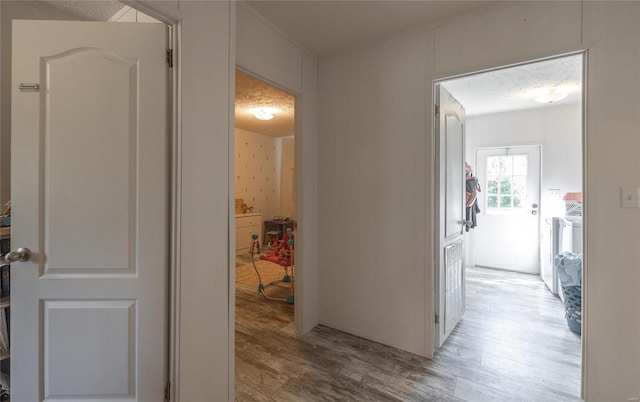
(506, 183)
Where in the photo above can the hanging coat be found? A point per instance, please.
(471, 204)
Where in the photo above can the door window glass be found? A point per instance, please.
(506, 183)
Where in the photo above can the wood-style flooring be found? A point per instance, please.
(512, 344)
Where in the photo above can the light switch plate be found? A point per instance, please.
(630, 197)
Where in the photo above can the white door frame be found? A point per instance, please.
(435, 195)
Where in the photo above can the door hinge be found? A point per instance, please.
(170, 57)
(437, 319)
(167, 392)
(437, 110)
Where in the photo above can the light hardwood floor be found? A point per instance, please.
(512, 344)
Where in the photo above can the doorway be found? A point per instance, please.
(265, 222)
(509, 236)
(523, 153)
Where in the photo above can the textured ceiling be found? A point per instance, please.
(517, 87)
(251, 94)
(329, 27)
(91, 10)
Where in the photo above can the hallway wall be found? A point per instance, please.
(374, 159)
(204, 369)
(375, 166)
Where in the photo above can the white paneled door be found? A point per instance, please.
(508, 232)
(89, 192)
(449, 280)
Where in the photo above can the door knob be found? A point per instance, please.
(20, 255)
(534, 209)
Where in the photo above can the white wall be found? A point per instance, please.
(269, 54)
(562, 155)
(557, 128)
(264, 173)
(612, 160)
(264, 50)
(205, 367)
(375, 169)
(307, 200)
(257, 172)
(373, 182)
(287, 178)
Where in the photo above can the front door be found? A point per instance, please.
(507, 236)
(449, 281)
(89, 192)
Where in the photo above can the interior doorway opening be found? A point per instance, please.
(521, 279)
(265, 220)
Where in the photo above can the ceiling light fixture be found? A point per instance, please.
(264, 113)
(551, 95)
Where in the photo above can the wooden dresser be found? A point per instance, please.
(246, 225)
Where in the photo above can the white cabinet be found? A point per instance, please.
(246, 226)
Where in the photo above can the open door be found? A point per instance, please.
(450, 278)
(90, 200)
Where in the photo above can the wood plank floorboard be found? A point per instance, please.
(513, 344)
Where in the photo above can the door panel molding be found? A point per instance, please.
(72, 74)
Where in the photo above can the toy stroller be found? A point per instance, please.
(283, 255)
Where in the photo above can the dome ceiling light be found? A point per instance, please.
(264, 113)
(551, 95)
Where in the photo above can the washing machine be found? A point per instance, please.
(549, 247)
(559, 234)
